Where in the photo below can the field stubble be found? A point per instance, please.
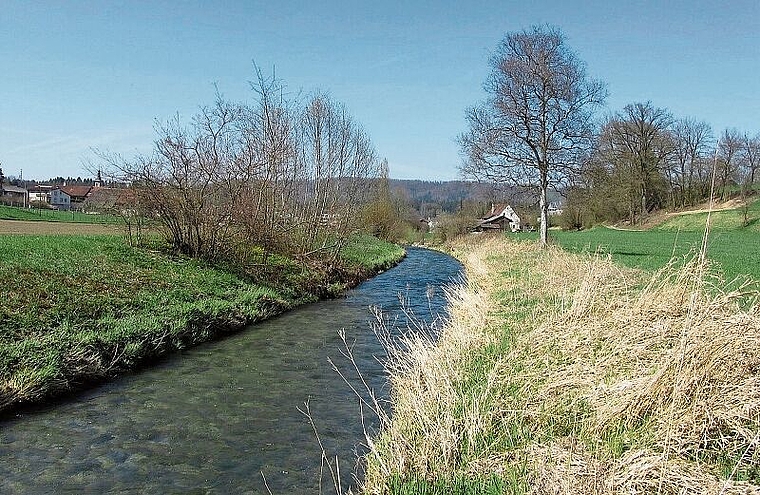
(561, 373)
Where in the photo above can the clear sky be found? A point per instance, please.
(77, 75)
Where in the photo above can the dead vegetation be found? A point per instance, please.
(562, 374)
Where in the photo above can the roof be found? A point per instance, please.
(40, 188)
(76, 191)
(110, 197)
(14, 189)
(497, 208)
(499, 211)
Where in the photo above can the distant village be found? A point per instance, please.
(428, 200)
(85, 195)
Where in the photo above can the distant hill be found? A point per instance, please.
(432, 197)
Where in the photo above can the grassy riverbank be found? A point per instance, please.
(76, 309)
(562, 373)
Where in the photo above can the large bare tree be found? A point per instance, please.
(750, 159)
(537, 119)
(338, 162)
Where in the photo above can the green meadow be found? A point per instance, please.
(732, 247)
(45, 215)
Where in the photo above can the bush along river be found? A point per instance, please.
(224, 417)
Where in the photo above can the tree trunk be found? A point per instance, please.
(544, 207)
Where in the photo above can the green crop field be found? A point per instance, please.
(735, 253)
(36, 214)
(733, 248)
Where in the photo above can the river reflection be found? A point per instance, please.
(224, 416)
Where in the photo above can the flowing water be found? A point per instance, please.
(224, 417)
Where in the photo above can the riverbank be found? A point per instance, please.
(561, 373)
(80, 309)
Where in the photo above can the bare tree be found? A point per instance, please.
(276, 175)
(636, 142)
(692, 141)
(185, 184)
(267, 168)
(748, 161)
(338, 163)
(729, 149)
(383, 215)
(537, 118)
(750, 158)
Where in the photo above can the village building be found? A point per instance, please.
(13, 195)
(109, 200)
(59, 199)
(554, 209)
(78, 195)
(69, 197)
(501, 217)
(39, 194)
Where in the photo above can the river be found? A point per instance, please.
(224, 417)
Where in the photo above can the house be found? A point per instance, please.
(78, 195)
(554, 209)
(109, 200)
(501, 217)
(40, 194)
(60, 199)
(69, 197)
(13, 195)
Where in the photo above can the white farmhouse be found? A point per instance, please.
(500, 217)
(59, 199)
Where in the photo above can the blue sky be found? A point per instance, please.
(81, 75)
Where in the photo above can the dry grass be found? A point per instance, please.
(564, 374)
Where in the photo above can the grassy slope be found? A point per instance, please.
(565, 374)
(77, 308)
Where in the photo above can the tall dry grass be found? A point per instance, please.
(564, 374)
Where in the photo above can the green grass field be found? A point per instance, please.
(34, 214)
(733, 248)
(79, 308)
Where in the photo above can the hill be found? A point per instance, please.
(433, 197)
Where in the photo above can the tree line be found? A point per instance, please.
(279, 174)
(644, 159)
(538, 130)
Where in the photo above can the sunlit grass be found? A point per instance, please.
(364, 250)
(734, 248)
